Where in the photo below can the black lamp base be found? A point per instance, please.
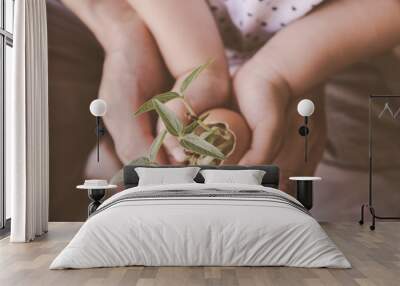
(95, 195)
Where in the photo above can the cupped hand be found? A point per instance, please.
(208, 91)
(133, 72)
(265, 101)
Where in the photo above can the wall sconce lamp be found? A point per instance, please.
(305, 108)
(98, 108)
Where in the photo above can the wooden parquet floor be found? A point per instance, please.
(375, 257)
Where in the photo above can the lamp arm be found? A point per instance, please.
(100, 131)
(306, 139)
(98, 137)
(304, 131)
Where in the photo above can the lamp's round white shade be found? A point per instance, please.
(98, 107)
(305, 107)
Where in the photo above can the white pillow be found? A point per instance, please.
(162, 176)
(248, 177)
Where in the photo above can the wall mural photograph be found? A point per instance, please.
(199, 142)
(217, 91)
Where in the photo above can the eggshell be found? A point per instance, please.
(238, 126)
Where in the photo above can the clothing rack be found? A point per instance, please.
(369, 205)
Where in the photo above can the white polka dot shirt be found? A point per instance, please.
(246, 25)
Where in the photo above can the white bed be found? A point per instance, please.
(249, 225)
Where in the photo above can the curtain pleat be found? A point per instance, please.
(29, 173)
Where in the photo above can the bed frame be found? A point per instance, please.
(271, 177)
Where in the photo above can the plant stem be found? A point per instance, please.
(201, 123)
(188, 107)
(193, 114)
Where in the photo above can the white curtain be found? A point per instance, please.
(27, 144)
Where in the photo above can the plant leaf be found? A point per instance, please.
(170, 120)
(200, 146)
(193, 75)
(191, 127)
(194, 124)
(156, 145)
(141, 161)
(118, 178)
(163, 97)
(207, 160)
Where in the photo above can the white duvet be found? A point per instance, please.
(200, 231)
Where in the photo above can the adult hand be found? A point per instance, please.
(133, 72)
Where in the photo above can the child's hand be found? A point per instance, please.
(263, 98)
(303, 55)
(273, 118)
(205, 93)
(187, 36)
